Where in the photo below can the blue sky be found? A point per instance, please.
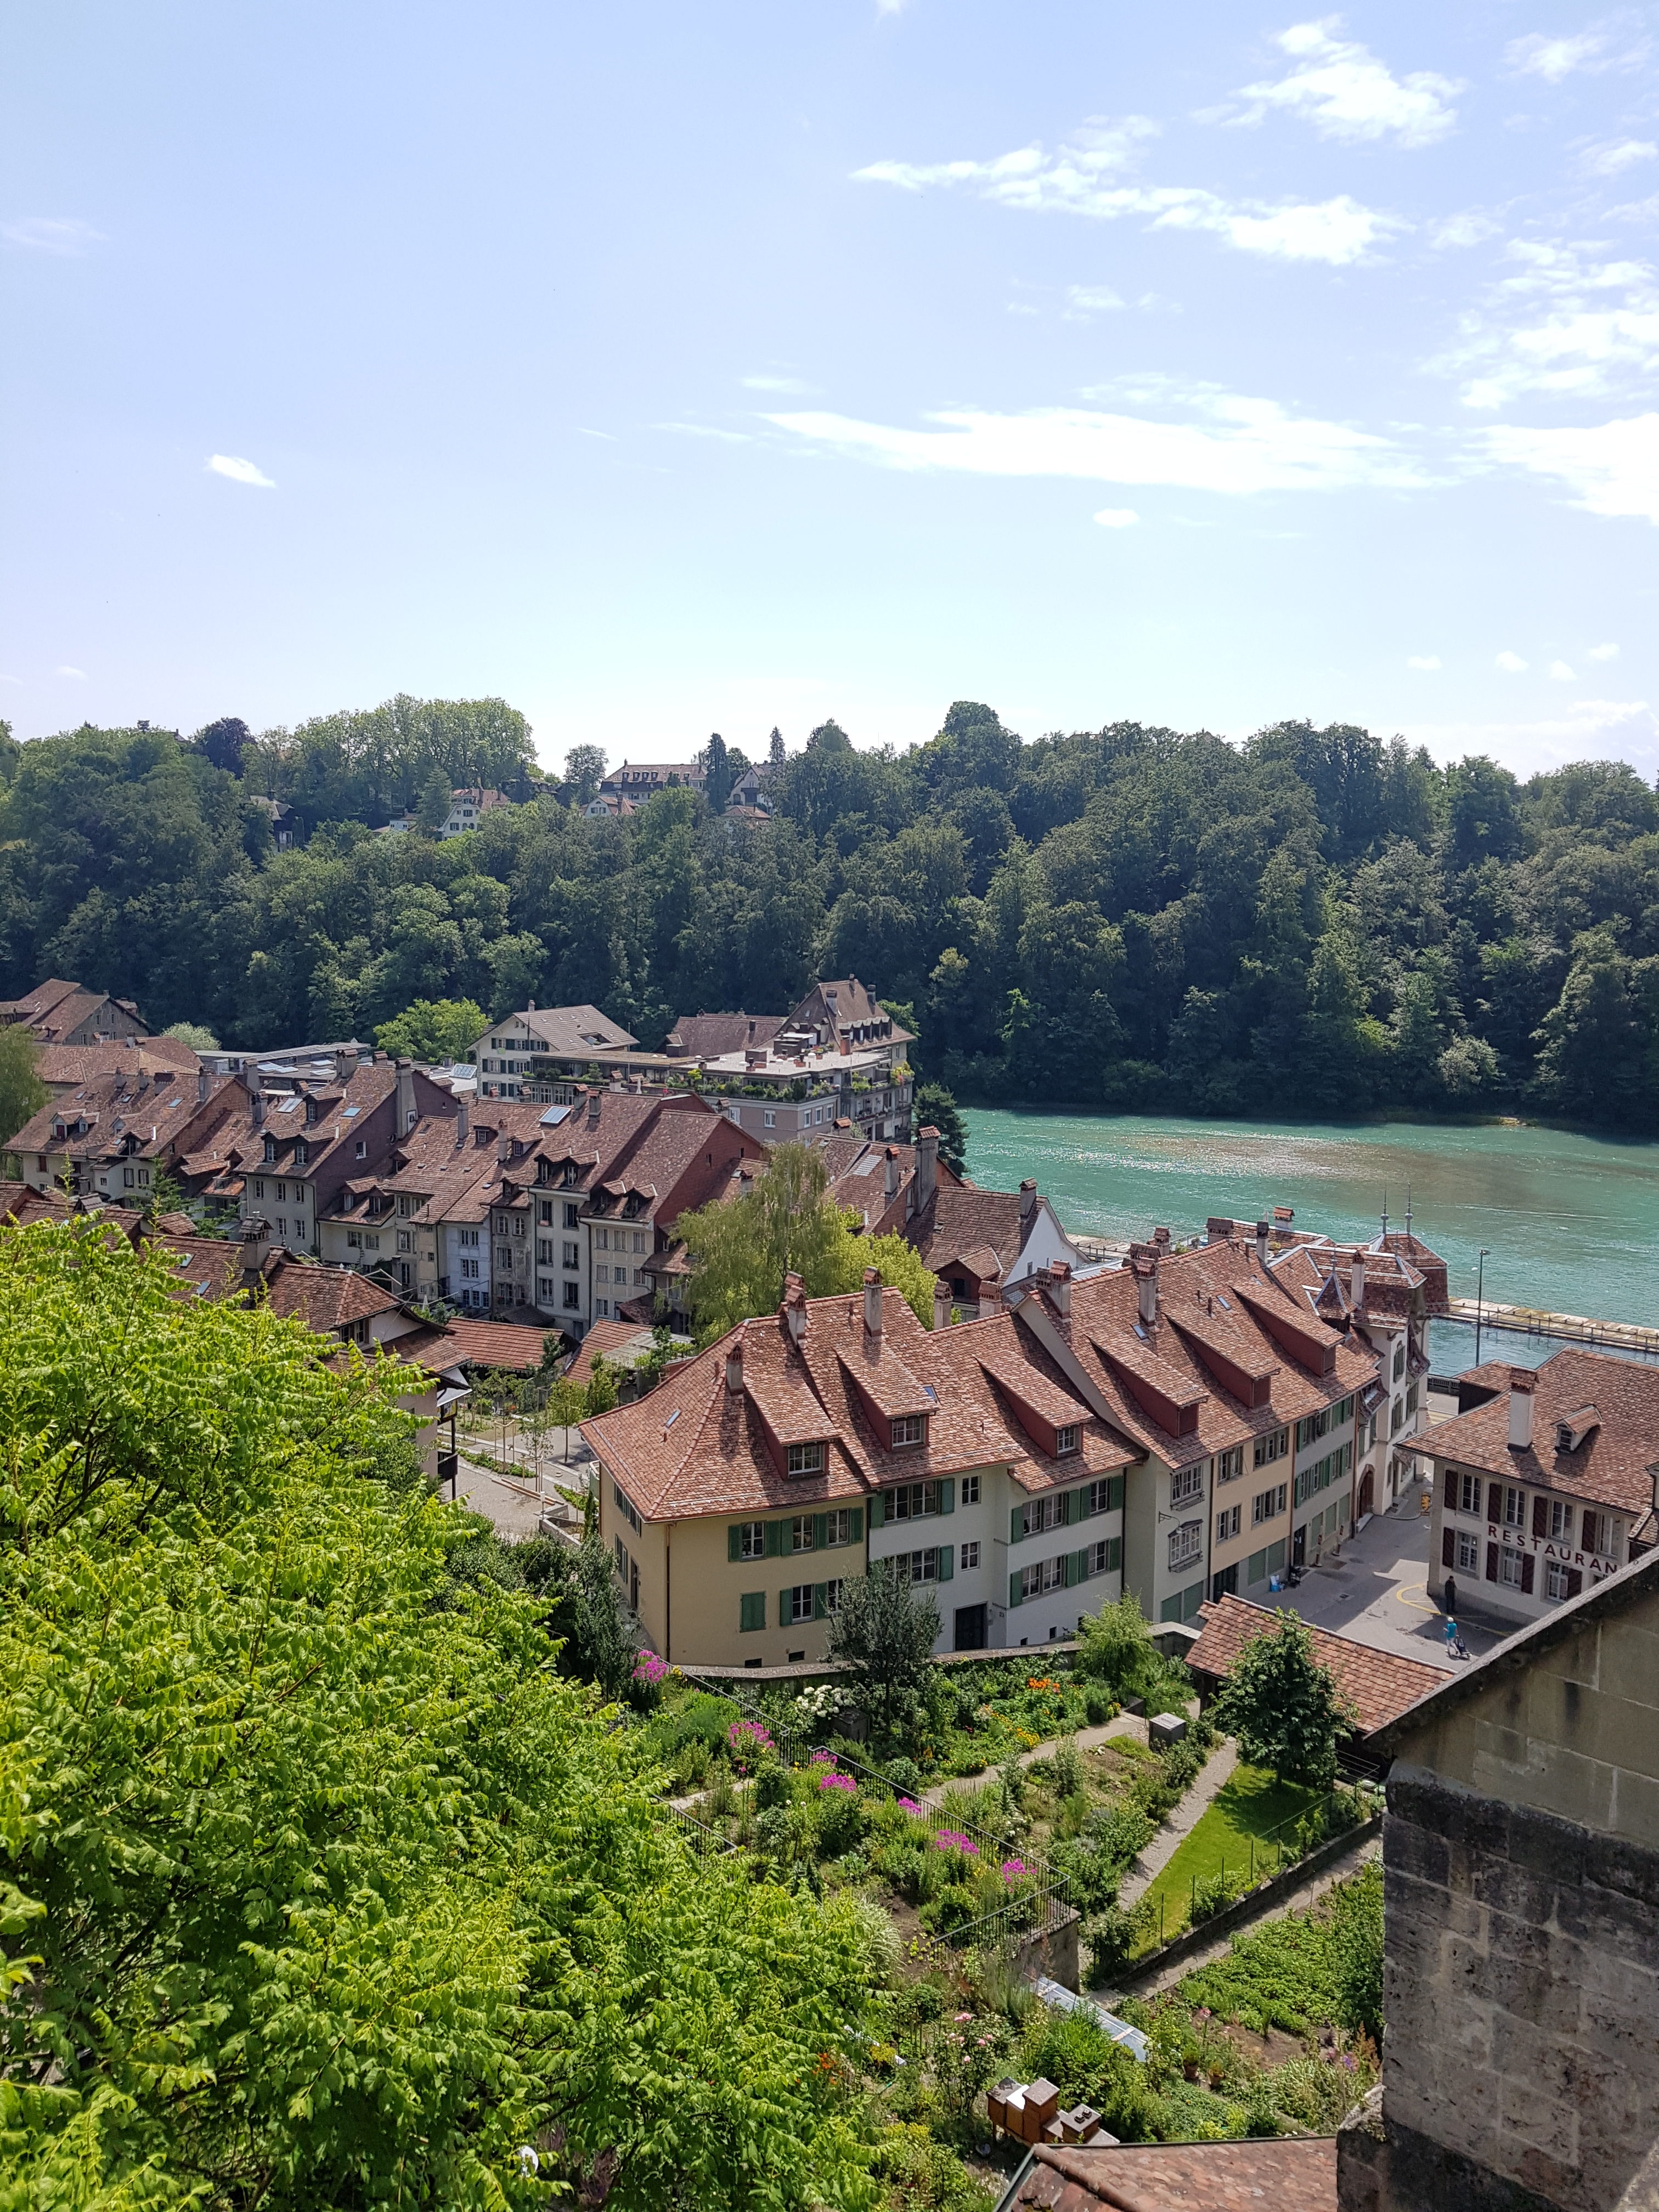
(669, 369)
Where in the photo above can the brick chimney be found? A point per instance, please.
(1143, 1263)
(941, 1303)
(201, 1086)
(406, 1096)
(734, 1368)
(926, 1168)
(1161, 1238)
(1261, 1241)
(873, 1301)
(892, 1175)
(1059, 1284)
(794, 1306)
(463, 1118)
(1027, 1201)
(1523, 1383)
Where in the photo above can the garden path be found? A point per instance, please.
(1295, 1900)
(1180, 1823)
(1087, 1739)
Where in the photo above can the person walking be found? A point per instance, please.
(1450, 1596)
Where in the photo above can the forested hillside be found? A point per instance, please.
(1314, 921)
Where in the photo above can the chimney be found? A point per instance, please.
(1261, 1241)
(926, 1168)
(1027, 1201)
(503, 1148)
(1523, 1383)
(463, 1117)
(1059, 1284)
(941, 1303)
(201, 1086)
(1216, 1230)
(406, 1096)
(734, 1368)
(1356, 1281)
(873, 1301)
(892, 1175)
(257, 1103)
(593, 1104)
(794, 1306)
(1144, 1262)
(1161, 1238)
(345, 1064)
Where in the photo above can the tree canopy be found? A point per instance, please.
(1126, 917)
(22, 1094)
(319, 1884)
(434, 1029)
(1284, 1707)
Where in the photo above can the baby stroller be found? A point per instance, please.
(1456, 1647)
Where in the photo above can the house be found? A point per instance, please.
(638, 781)
(66, 1067)
(112, 1137)
(1521, 1975)
(837, 1058)
(1243, 1404)
(713, 1036)
(1545, 1483)
(69, 1013)
(1378, 1685)
(981, 1243)
(838, 1434)
(467, 809)
(284, 823)
(620, 1343)
(879, 1182)
(542, 1040)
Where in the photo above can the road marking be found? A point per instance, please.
(1409, 1593)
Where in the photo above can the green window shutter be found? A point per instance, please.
(876, 1505)
(820, 1610)
(857, 1524)
(774, 1540)
(947, 1494)
(734, 1540)
(1013, 1588)
(1015, 1532)
(751, 1610)
(1081, 1563)
(947, 1553)
(1114, 1555)
(783, 1608)
(1114, 1494)
(820, 1530)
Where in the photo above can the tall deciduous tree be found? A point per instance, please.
(1284, 1707)
(434, 1029)
(22, 1094)
(885, 1633)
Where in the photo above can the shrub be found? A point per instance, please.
(1213, 1895)
(954, 1907)
(1067, 1765)
(905, 1776)
(840, 1820)
(771, 1783)
(1081, 2060)
(1097, 1706)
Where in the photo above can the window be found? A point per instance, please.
(1187, 1482)
(1514, 1507)
(405, 1242)
(1104, 1558)
(1396, 1417)
(1230, 1464)
(469, 1236)
(571, 1216)
(1068, 1439)
(626, 1507)
(800, 1533)
(751, 1610)
(1186, 1543)
(805, 1459)
(768, 1120)
(913, 1501)
(795, 1605)
(970, 1558)
(1226, 1523)
(1469, 1553)
(1267, 1505)
(1316, 1425)
(1598, 1532)
(602, 1274)
(1268, 1449)
(1400, 1359)
(1410, 1397)
(971, 1490)
(748, 1540)
(573, 1291)
(601, 1306)
(832, 1590)
(838, 1529)
(917, 1566)
(909, 1429)
(571, 1258)
(546, 1290)
(1469, 1494)
(1560, 1519)
(1509, 1565)
(1559, 1580)
(602, 1243)
(282, 1192)
(622, 1559)
(1041, 1513)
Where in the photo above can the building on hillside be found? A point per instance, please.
(467, 809)
(1244, 1405)
(1545, 1482)
(839, 1057)
(520, 1054)
(1521, 1971)
(284, 823)
(837, 1434)
(715, 1036)
(1378, 1685)
(113, 1136)
(65, 1067)
(982, 1243)
(69, 1013)
(636, 781)
(312, 1063)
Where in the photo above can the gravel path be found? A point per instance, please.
(1180, 1824)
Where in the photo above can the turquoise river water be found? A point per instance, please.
(1571, 1223)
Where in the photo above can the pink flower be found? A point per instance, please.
(1012, 1866)
(836, 1781)
(908, 1805)
(949, 1839)
(823, 1759)
(746, 1739)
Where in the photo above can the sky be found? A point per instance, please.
(666, 369)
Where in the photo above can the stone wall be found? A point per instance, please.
(1522, 1997)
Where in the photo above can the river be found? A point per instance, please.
(1570, 1223)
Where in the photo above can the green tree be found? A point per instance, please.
(584, 765)
(196, 1034)
(1284, 1707)
(934, 1105)
(22, 1094)
(321, 1887)
(885, 1633)
(436, 799)
(717, 768)
(1117, 1650)
(433, 1030)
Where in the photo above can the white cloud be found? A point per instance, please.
(1561, 672)
(609, 436)
(1426, 661)
(1611, 468)
(1563, 323)
(64, 236)
(79, 674)
(1238, 445)
(1085, 302)
(1624, 154)
(1602, 653)
(1511, 662)
(1471, 227)
(1117, 518)
(782, 383)
(1595, 729)
(1345, 92)
(1539, 55)
(704, 430)
(238, 471)
(1081, 177)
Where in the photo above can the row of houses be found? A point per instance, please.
(1195, 1424)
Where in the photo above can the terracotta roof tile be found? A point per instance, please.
(497, 1343)
(1294, 2175)
(1379, 1683)
(1614, 1464)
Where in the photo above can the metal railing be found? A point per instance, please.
(1268, 1856)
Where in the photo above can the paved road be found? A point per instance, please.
(1379, 1593)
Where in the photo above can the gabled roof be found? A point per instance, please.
(56, 1008)
(1379, 1684)
(1614, 1462)
(707, 1036)
(131, 1115)
(62, 1066)
(963, 1225)
(570, 1032)
(1297, 2175)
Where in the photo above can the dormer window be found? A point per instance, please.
(270, 1150)
(805, 1459)
(301, 1153)
(909, 1429)
(1068, 1439)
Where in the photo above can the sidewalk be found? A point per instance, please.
(1378, 1595)
(1179, 1823)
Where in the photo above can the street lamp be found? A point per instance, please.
(1479, 1295)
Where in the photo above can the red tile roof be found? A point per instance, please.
(1378, 1685)
(1294, 2175)
(708, 1036)
(131, 1114)
(497, 1344)
(1613, 1462)
(605, 1340)
(64, 1066)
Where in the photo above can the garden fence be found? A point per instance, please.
(1268, 1854)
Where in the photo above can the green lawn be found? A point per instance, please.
(1246, 1811)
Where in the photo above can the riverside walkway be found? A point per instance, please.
(1573, 1329)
